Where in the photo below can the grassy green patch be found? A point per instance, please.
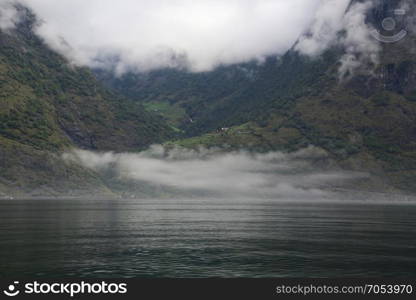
(172, 113)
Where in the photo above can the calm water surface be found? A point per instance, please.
(205, 238)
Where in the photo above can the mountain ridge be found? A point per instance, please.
(48, 106)
(366, 123)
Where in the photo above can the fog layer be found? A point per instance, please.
(239, 174)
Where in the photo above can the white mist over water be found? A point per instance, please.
(232, 174)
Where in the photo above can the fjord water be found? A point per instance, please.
(206, 238)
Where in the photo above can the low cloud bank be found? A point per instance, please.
(140, 35)
(235, 174)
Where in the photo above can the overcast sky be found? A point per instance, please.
(199, 34)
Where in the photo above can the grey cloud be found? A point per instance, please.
(361, 48)
(338, 23)
(323, 33)
(197, 35)
(141, 35)
(9, 16)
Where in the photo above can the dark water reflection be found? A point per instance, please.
(203, 238)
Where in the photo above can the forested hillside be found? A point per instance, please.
(366, 121)
(48, 106)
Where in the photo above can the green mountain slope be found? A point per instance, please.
(365, 123)
(47, 106)
(226, 96)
